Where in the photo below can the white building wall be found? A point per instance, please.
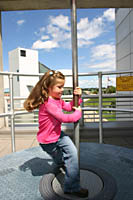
(27, 64)
(6, 82)
(124, 47)
(123, 38)
(13, 67)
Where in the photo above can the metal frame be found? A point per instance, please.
(75, 67)
(12, 114)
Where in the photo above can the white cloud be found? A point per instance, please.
(42, 29)
(20, 22)
(44, 37)
(57, 34)
(44, 45)
(102, 58)
(93, 82)
(82, 83)
(83, 24)
(52, 30)
(58, 30)
(109, 14)
(89, 30)
(108, 65)
(103, 51)
(87, 82)
(60, 21)
(66, 44)
(90, 83)
(83, 42)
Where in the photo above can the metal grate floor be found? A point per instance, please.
(20, 172)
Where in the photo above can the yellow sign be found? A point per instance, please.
(124, 83)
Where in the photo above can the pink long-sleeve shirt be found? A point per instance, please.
(50, 118)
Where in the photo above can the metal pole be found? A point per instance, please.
(12, 112)
(81, 122)
(100, 107)
(75, 67)
(1, 78)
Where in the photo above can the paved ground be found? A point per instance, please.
(21, 172)
(22, 141)
(25, 139)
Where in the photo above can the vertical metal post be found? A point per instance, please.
(100, 107)
(81, 122)
(12, 112)
(75, 66)
(1, 78)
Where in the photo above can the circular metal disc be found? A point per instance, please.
(88, 180)
(99, 183)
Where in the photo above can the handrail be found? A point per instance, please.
(69, 75)
(12, 114)
(83, 109)
(83, 96)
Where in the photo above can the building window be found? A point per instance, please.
(30, 87)
(18, 76)
(23, 53)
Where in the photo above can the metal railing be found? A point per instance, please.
(91, 101)
(99, 109)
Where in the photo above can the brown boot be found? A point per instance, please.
(81, 193)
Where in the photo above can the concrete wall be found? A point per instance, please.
(124, 47)
(27, 64)
(124, 35)
(13, 67)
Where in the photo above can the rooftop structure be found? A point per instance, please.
(9, 5)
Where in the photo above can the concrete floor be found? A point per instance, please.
(21, 172)
(25, 139)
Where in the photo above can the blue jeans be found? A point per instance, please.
(64, 152)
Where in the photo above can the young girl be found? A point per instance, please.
(46, 96)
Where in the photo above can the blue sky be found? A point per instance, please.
(49, 32)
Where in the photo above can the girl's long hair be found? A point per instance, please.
(39, 93)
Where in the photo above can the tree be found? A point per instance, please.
(110, 89)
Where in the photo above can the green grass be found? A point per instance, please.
(91, 102)
(94, 103)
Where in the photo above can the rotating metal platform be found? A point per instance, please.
(100, 184)
(21, 172)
